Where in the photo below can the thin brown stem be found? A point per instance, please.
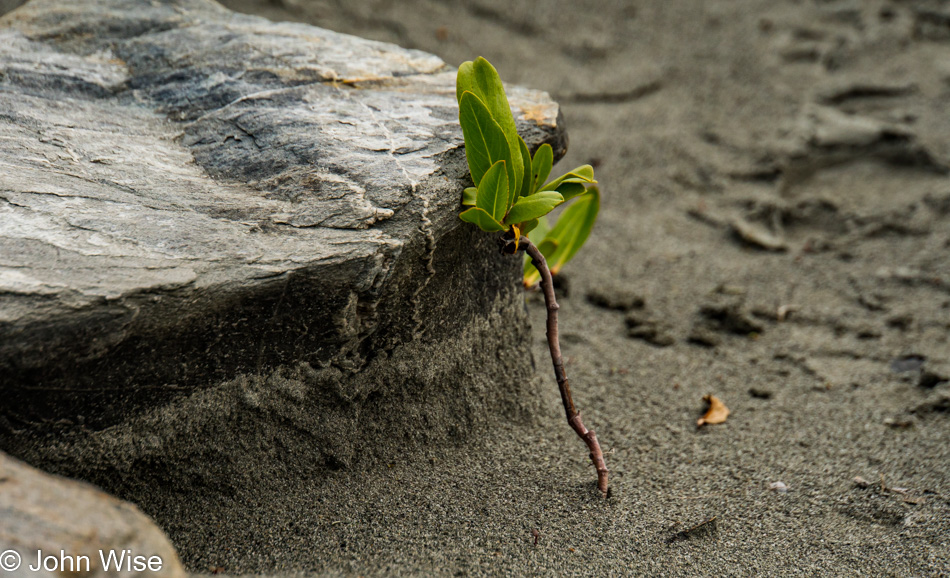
(573, 416)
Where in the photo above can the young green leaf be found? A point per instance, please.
(527, 183)
(569, 190)
(492, 194)
(468, 196)
(487, 85)
(465, 80)
(573, 227)
(485, 142)
(582, 174)
(489, 88)
(483, 220)
(547, 247)
(529, 226)
(541, 166)
(541, 231)
(533, 206)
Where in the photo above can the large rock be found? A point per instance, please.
(230, 249)
(78, 530)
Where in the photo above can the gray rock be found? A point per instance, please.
(229, 251)
(84, 530)
(8, 5)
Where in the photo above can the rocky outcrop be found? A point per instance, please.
(229, 250)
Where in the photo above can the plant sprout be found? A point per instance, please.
(512, 195)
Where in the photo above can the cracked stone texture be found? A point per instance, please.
(229, 248)
(52, 514)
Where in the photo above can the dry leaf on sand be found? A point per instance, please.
(717, 412)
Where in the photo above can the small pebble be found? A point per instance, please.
(760, 393)
(907, 363)
(779, 487)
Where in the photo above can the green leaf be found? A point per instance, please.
(582, 174)
(529, 226)
(468, 196)
(561, 243)
(569, 190)
(484, 82)
(541, 166)
(492, 194)
(573, 227)
(541, 231)
(489, 87)
(485, 143)
(533, 206)
(483, 220)
(465, 80)
(547, 247)
(527, 183)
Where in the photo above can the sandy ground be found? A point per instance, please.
(815, 128)
(775, 191)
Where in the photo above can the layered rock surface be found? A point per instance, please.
(229, 249)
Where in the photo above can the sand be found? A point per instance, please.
(775, 189)
(821, 123)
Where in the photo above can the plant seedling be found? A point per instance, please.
(513, 196)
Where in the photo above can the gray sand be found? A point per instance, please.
(697, 113)
(824, 123)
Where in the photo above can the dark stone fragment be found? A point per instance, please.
(908, 363)
(760, 393)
